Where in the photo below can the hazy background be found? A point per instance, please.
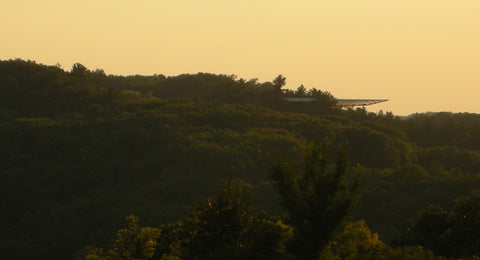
(423, 55)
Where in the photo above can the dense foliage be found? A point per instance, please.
(316, 201)
(80, 150)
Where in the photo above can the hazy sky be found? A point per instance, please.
(423, 55)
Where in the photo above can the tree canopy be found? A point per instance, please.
(80, 150)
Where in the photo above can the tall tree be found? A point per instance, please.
(317, 201)
(301, 91)
(79, 71)
(279, 81)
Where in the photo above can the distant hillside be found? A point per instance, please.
(80, 150)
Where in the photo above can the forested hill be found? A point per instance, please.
(80, 150)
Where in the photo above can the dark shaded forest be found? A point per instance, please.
(216, 167)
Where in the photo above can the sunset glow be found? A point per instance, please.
(422, 55)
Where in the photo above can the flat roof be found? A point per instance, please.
(359, 102)
(342, 102)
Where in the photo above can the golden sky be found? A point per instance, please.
(423, 55)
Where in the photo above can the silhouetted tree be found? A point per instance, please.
(316, 201)
(78, 70)
(279, 82)
(301, 91)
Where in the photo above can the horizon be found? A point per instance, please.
(338, 98)
(420, 55)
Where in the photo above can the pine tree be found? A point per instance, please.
(317, 201)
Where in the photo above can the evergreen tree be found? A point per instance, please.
(279, 81)
(317, 201)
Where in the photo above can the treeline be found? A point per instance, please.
(45, 89)
(80, 150)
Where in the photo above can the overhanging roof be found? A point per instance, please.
(358, 102)
(342, 102)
